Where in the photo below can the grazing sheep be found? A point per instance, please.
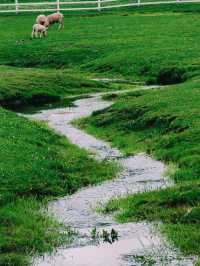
(55, 18)
(41, 19)
(39, 29)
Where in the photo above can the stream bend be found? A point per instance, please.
(140, 173)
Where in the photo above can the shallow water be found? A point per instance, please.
(140, 173)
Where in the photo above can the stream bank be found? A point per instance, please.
(139, 173)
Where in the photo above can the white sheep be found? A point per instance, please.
(41, 19)
(55, 18)
(39, 29)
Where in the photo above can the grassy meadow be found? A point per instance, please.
(134, 43)
(153, 44)
(35, 166)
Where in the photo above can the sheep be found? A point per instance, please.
(55, 18)
(38, 28)
(41, 19)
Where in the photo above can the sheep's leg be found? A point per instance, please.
(36, 34)
(41, 35)
(32, 34)
(61, 23)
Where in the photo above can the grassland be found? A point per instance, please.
(147, 44)
(36, 165)
(125, 43)
(119, 44)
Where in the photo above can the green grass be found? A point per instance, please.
(146, 44)
(27, 231)
(164, 123)
(36, 165)
(176, 207)
(23, 87)
(137, 44)
(132, 43)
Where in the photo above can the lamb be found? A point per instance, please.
(41, 19)
(55, 18)
(38, 28)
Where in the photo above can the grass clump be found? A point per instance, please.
(36, 165)
(26, 231)
(176, 207)
(144, 260)
(22, 87)
(165, 123)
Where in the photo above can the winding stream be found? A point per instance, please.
(139, 173)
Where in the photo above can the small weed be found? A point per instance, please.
(105, 235)
(143, 260)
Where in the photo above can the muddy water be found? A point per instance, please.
(140, 173)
